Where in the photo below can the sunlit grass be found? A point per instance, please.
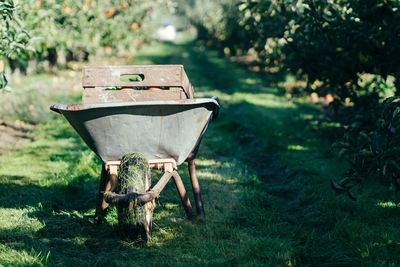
(297, 147)
(388, 204)
(263, 169)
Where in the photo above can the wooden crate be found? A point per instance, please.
(173, 80)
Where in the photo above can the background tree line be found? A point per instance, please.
(348, 49)
(330, 43)
(66, 31)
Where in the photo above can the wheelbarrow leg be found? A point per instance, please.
(182, 193)
(195, 187)
(101, 205)
(107, 183)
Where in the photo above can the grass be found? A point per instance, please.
(264, 168)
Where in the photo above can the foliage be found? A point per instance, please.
(346, 48)
(371, 146)
(217, 23)
(330, 43)
(74, 30)
(13, 37)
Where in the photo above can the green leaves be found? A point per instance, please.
(333, 43)
(3, 80)
(372, 147)
(7, 9)
(68, 30)
(13, 38)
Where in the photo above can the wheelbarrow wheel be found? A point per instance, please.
(134, 219)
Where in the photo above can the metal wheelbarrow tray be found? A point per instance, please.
(156, 116)
(157, 129)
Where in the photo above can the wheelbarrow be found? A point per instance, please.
(153, 113)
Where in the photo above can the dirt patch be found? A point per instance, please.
(12, 135)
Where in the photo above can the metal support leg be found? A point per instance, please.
(196, 187)
(182, 193)
(108, 182)
(101, 205)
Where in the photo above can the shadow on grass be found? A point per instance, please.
(68, 232)
(258, 209)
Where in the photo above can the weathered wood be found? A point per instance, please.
(154, 76)
(182, 193)
(102, 205)
(96, 95)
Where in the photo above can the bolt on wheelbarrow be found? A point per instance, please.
(137, 118)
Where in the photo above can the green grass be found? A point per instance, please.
(264, 168)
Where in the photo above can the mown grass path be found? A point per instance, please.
(263, 169)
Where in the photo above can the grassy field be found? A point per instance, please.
(264, 168)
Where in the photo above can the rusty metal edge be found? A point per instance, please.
(86, 106)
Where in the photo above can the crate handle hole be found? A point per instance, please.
(131, 77)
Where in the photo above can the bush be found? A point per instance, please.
(331, 44)
(371, 146)
(13, 38)
(73, 30)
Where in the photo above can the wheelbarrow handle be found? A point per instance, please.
(113, 198)
(140, 198)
